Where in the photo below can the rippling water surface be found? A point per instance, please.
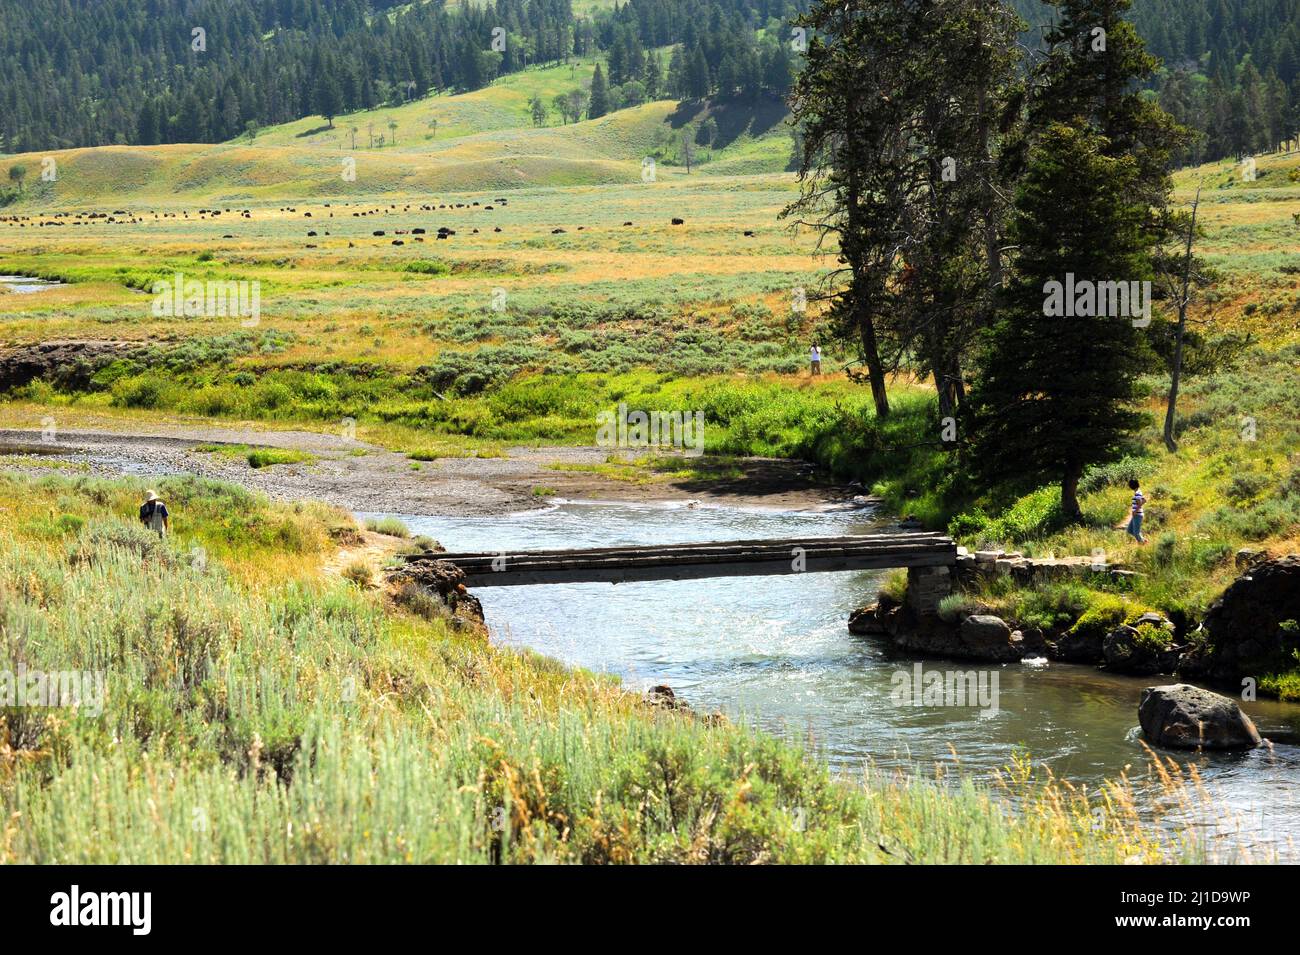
(775, 651)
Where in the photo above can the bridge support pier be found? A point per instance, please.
(926, 586)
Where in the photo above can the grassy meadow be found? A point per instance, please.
(258, 708)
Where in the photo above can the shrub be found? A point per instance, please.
(895, 586)
(420, 602)
(1105, 612)
(1164, 552)
(955, 607)
(1035, 515)
(1152, 638)
(1116, 473)
(428, 267)
(266, 457)
(359, 573)
(391, 526)
(1050, 607)
(145, 391)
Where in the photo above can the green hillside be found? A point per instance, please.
(484, 140)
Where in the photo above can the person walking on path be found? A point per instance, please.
(1136, 509)
(153, 514)
(815, 360)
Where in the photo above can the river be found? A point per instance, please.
(775, 651)
(23, 284)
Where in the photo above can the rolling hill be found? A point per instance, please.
(484, 140)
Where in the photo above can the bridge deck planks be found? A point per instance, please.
(687, 561)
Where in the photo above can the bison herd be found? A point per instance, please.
(123, 217)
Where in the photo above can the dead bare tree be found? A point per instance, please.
(1182, 277)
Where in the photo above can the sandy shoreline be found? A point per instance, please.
(364, 477)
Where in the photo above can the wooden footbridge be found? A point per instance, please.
(742, 558)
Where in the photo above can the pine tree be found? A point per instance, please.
(1094, 74)
(698, 81)
(650, 77)
(777, 70)
(852, 102)
(1054, 394)
(326, 96)
(677, 74)
(598, 105)
(147, 132)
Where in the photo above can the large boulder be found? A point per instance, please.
(1080, 646)
(418, 583)
(877, 619)
(1182, 716)
(1249, 630)
(987, 637)
(1144, 647)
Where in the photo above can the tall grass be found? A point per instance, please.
(295, 718)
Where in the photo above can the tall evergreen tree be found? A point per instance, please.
(963, 78)
(327, 97)
(1055, 393)
(698, 81)
(598, 105)
(852, 104)
(1094, 73)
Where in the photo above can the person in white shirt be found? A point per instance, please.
(815, 360)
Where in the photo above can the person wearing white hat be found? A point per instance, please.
(153, 514)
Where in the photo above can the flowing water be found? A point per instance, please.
(775, 651)
(24, 284)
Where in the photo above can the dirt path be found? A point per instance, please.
(374, 551)
(363, 477)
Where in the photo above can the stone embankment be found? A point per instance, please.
(1251, 630)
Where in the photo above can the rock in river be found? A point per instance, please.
(989, 638)
(1183, 716)
(1145, 647)
(871, 620)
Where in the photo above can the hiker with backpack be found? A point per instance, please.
(153, 514)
